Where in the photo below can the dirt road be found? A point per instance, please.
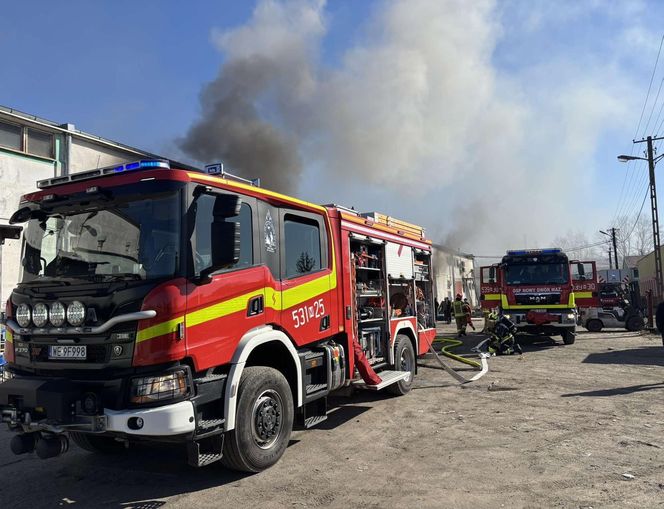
(559, 428)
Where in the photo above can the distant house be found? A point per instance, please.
(645, 270)
(454, 274)
(31, 149)
(631, 263)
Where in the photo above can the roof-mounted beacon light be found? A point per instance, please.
(218, 170)
(144, 164)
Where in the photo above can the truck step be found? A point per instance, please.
(209, 378)
(386, 377)
(203, 452)
(208, 424)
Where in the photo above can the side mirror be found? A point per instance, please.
(492, 274)
(581, 269)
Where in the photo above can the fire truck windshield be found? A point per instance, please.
(537, 274)
(109, 239)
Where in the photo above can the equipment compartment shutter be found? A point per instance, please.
(399, 260)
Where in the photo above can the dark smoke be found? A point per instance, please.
(231, 130)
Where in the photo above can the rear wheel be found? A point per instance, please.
(263, 422)
(97, 444)
(594, 325)
(634, 323)
(404, 360)
(569, 336)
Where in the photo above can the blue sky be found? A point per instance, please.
(565, 80)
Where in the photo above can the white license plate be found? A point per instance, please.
(78, 352)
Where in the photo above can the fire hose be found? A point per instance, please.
(483, 364)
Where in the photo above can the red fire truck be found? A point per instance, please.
(161, 303)
(534, 289)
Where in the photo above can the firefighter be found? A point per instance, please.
(469, 313)
(459, 316)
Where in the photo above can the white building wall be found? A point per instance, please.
(18, 175)
(454, 274)
(86, 155)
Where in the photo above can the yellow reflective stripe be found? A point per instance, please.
(220, 309)
(492, 296)
(583, 295)
(9, 338)
(159, 330)
(294, 296)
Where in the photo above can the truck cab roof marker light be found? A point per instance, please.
(100, 172)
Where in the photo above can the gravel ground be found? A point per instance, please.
(561, 426)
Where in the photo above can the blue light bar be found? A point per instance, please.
(523, 252)
(100, 172)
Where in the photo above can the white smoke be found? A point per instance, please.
(416, 120)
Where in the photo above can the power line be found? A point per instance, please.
(636, 132)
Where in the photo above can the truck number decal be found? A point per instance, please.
(302, 316)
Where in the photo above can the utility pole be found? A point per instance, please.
(615, 248)
(655, 215)
(609, 258)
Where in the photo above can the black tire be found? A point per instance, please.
(594, 325)
(634, 323)
(97, 444)
(264, 408)
(569, 336)
(404, 360)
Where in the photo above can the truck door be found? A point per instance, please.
(490, 284)
(221, 309)
(308, 276)
(584, 283)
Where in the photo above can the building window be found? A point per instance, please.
(40, 143)
(26, 139)
(11, 136)
(302, 239)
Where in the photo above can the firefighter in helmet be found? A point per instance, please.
(459, 315)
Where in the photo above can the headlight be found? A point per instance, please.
(150, 389)
(571, 316)
(57, 313)
(40, 314)
(76, 313)
(23, 315)
(507, 315)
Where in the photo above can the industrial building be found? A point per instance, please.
(31, 149)
(454, 274)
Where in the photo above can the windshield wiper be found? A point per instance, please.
(120, 277)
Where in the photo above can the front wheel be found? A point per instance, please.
(594, 325)
(634, 323)
(404, 360)
(569, 336)
(263, 421)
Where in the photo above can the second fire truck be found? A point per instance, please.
(534, 289)
(161, 303)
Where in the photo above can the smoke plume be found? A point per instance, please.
(415, 119)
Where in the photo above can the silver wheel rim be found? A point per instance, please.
(267, 419)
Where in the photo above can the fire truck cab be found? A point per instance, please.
(533, 288)
(161, 303)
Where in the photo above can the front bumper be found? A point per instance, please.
(54, 405)
(555, 320)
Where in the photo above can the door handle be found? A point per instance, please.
(255, 306)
